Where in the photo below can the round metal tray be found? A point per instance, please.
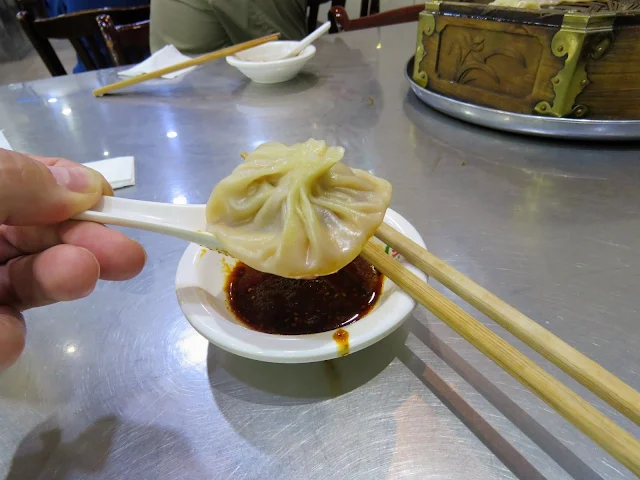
(569, 128)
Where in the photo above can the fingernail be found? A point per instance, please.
(77, 179)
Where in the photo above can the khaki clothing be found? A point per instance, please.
(199, 26)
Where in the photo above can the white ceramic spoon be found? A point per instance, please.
(302, 44)
(187, 222)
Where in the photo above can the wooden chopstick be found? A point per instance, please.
(600, 381)
(618, 442)
(186, 64)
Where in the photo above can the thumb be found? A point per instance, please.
(45, 191)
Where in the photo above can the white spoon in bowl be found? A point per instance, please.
(187, 222)
(302, 44)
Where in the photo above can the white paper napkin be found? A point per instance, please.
(165, 57)
(120, 172)
(4, 143)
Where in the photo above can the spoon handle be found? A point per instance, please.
(187, 222)
(309, 39)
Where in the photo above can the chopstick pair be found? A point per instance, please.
(623, 446)
(186, 64)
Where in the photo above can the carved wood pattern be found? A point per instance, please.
(499, 65)
(501, 62)
(489, 60)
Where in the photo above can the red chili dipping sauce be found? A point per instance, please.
(285, 306)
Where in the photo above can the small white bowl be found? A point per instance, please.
(200, 286)
(276, 71)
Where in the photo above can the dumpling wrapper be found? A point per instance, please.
(296, 210)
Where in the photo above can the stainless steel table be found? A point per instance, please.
(119, 386)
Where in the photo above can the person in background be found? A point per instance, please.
(61, 7)
(44, 256)
(200, 26)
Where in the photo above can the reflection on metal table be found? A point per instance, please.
(120, 386)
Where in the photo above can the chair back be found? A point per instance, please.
(35, 7)
(314, 7)
(341, 20)
(81, 29)
(126, 44)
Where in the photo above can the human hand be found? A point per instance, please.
(44, 256)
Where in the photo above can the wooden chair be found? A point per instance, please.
(81, 29)
(314, 7)
(126, 44)
(341, 21)
(35, 7)
(366, 9)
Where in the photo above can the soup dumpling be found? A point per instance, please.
(296, 210)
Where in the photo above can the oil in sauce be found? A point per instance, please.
(286, 306)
